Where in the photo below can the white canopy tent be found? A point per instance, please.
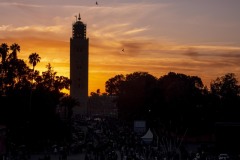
(148, 137)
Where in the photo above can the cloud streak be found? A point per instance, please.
(10, 28)
(21, 5)
(135, 30)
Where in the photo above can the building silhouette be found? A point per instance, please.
(79, 65)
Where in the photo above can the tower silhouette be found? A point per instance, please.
(79, 65)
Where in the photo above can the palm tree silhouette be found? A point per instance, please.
(34, 58)
(4, 51)
(15, 48)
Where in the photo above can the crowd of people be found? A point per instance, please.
(111, 139)
(108, 138)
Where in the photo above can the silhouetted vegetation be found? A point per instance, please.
(176, 100)
(29, 101)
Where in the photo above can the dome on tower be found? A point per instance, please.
(79, 29)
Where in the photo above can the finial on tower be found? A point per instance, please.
(79, 18)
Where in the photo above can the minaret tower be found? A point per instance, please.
(79, 65)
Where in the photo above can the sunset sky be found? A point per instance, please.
(193, 37)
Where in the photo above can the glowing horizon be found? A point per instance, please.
(193, 38)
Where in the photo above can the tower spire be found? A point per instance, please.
(79, 18)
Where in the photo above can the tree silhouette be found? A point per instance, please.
(181, 100)
(180, 89)
(174, 99)
(133, 93)
(226, 86)
(3, 54)
(34, 58)
(226, 91)
(4, 51)
(15, 48)
(114, 85)
(40, 123)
